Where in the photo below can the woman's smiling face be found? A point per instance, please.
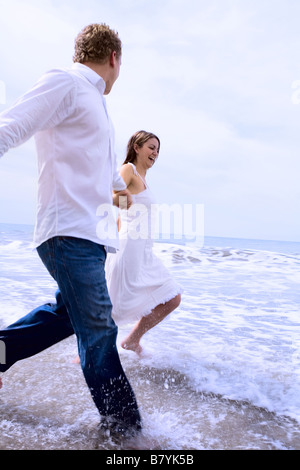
(148, 153)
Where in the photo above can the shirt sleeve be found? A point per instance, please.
(118, 183)
(45, 105)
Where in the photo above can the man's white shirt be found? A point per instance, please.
(77, 168)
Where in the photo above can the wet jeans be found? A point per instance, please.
(82, 306)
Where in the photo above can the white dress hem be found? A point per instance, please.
(126, 319)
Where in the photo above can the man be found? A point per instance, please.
(66, 112)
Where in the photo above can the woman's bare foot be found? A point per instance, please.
(146, 323)
(76, 360)
(132, 346)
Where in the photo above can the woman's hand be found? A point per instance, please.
(122, 199)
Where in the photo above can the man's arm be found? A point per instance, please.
(45, 105)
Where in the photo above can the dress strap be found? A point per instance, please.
(137, 173)
(133, 167)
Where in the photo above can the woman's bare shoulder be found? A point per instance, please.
(126, 171)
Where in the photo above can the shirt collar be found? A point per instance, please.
(90, 75)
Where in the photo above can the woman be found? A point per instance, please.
(140, 287)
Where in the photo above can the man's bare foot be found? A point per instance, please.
(131, 346)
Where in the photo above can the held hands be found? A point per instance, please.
(122, 199)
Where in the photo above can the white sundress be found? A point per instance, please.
(137, 280)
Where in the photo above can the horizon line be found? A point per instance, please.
(204, 236)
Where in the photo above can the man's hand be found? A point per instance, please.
(122, 199)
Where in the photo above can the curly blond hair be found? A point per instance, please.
(95, 43)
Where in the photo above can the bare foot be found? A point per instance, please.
(1, 383)
(76, 360)
(131, 346)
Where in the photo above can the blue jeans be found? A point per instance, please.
(82, 306)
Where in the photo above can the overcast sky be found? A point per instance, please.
(217, 80)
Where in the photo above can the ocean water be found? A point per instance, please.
(222, 372)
